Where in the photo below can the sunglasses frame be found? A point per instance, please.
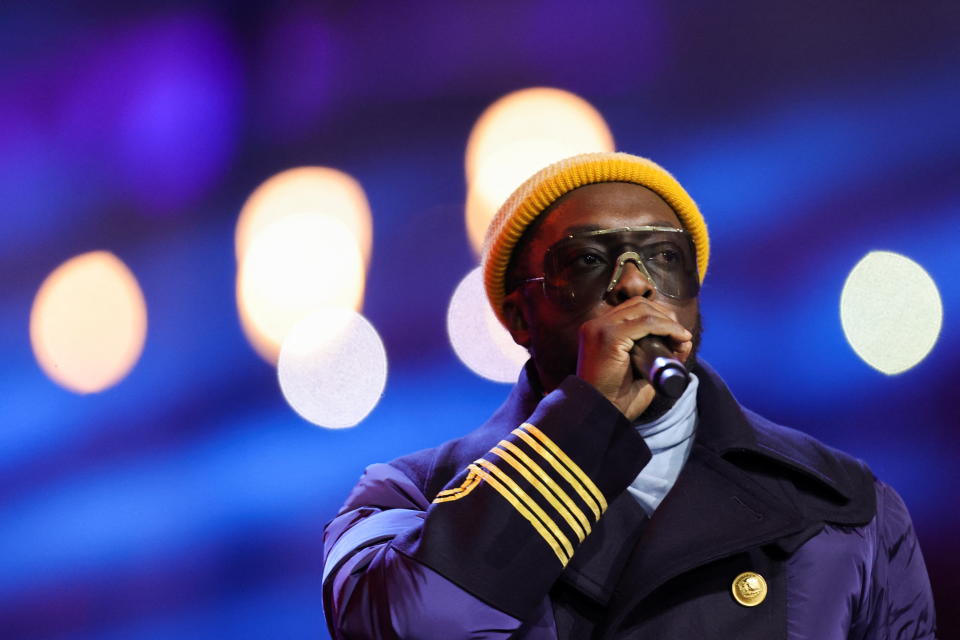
(626, 256)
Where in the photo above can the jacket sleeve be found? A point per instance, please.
(477, 560)
(899, 601)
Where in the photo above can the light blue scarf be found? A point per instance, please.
(669, 438)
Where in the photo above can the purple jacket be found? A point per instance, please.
(522, 529)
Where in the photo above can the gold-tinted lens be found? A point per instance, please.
(579, 269)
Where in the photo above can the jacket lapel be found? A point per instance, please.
(714, 510)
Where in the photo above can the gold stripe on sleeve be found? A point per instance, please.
(539, 486)
(584, 478)
(529, 502)
(562, 470)
(522, 510)
(468, 485)
(550, 482)
(471, 476)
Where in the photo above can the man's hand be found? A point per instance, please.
(606, 343)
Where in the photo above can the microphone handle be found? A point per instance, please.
(660, 367)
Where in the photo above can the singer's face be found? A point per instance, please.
(550, 330)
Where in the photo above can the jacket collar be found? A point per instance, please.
(735, 433)
(742, 436)
(747, 483)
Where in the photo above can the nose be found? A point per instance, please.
(629, 280)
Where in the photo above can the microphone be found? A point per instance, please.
(658, 365)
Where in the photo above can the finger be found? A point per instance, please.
(631, 311)
(682, 349)
(640, 305)
(635, 302)
(642, 325)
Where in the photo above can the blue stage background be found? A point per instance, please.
(189, 500)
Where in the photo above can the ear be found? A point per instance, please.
(514, 310)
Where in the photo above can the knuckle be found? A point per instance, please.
(606, 333)
(647, 319)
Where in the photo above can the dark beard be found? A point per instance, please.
(661, 403)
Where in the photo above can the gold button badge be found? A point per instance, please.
(749, 589)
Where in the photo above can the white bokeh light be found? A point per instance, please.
(333, 368)
(478, 338)
(88, 322)
(518, 135)
(891, 311)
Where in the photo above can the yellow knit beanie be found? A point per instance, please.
(535, 195)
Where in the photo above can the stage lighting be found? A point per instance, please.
(333, 368)
(516, 136)
(891, 311)
(320, 191)
(478, 338)
(88, 322)
(298, 264)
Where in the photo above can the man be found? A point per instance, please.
(589, 505)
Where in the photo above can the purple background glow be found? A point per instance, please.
(189, 500)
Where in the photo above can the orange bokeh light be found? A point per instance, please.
(320, 191)
(298, 265)
(88, 323)
(518, 135)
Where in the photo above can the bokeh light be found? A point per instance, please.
(88, 322)
(298, 264)
(302, 242)
(478, 338)
(891, 311)
(518, 135)
(333, 368)
(319, 191)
